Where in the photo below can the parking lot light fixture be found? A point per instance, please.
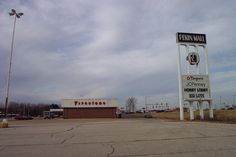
(16, 15)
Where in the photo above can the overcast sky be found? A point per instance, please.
(112, 48)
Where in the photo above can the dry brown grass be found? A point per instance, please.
(167, 115)
(219, 115)
(225, 115)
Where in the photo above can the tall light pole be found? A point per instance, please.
(16, 15)
(220, 102)
(146, 103)
(234, 99)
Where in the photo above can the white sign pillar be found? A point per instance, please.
(201, 110)
(191, 110)
(193, 86)
(211, 110)
(180, 86)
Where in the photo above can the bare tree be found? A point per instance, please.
(131, 104)
(27, 108)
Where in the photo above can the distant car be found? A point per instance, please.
(20, 117)
(148, 115)
(48, 115)
(29, 118)
(118, 113)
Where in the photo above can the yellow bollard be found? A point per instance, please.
(4, 124)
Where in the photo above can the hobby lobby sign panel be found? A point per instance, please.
(195, 87)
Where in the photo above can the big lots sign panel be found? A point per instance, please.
(195, 87)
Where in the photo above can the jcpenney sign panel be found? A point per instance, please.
(190, 38)
(195, 87)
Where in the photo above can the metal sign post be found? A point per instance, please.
(195, 86)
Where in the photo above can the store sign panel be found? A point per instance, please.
(195, 87)
(190, 38)
(88, 103)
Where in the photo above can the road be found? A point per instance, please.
(117, 138)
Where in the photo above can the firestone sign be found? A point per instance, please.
(190, 38)
(88, 103)
(195, 87)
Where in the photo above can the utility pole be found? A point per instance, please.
(234, 99)
(146, 103)
(220, 101)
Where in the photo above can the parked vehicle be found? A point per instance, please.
(48, 115)
(21, 117)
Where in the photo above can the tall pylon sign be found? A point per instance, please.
(193, 73)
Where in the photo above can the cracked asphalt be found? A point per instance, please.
(117, 138)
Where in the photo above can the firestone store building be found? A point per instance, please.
(89, 108)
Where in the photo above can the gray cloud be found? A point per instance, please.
(66, 49)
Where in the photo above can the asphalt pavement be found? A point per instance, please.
(117, 138)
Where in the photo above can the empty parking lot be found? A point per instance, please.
(117, 138)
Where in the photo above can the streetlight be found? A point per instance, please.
(16, 15)
(234, 99)
(220, 102)
(146, 104)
